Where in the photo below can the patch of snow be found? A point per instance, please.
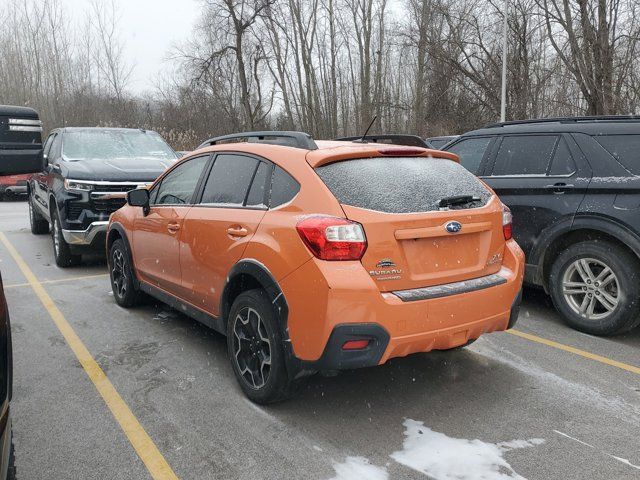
(358, 468)
(446, 458)
(625, 461)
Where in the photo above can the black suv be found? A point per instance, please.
(573, 185)
(86, 176)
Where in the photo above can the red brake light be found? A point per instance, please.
(402, 151)
(332, 238)
(507, 220)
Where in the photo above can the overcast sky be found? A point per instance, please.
(149, 29)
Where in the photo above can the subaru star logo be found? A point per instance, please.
(453, 227)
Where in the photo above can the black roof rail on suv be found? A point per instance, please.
(573, 185)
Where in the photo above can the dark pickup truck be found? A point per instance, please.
(86, 176)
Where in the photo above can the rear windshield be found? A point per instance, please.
(402, 185)
(115, 144)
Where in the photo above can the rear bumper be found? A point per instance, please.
(88, 236)
(319, 307)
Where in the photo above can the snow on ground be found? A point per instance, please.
(445, 458)
(358, 468)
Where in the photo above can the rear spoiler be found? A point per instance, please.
(393, 139)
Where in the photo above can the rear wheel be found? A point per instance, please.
(61, 249)
(595, 286)
(39, 224)
(121, 274)
(255, 349)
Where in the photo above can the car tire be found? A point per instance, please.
(39, 224)
(61, 249)
(253, 339)
(121, 274)
(595, 286)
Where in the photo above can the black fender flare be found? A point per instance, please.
(607, 225)
(267, 281)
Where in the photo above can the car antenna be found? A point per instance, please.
(362, 139)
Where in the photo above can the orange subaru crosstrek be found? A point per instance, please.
(319, 256)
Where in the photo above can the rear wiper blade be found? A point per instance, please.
(458, 200)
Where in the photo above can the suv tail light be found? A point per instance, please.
(332, 238)
(507, 220)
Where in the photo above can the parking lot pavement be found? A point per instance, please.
(505, 406)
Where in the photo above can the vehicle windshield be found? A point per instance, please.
(114, 144)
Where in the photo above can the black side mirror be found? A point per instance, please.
(139, 198)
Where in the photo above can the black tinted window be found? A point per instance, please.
(178, 187)
(400, 185)
(524, 155)
(47, 144)
(229, 180)
(624, 148)
(471, 152)
(283, 188)
(562, 162)
(256, 193)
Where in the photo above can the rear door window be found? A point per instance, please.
(179, 185)
(401, 185)
(562, 163)
(283, 188)
(624, 148)
(259, 186)
(229, 180)
(524, 155)
(471, 152)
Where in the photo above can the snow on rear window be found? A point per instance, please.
(402, 184)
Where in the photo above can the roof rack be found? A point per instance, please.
(594, 118)
(395, 139)
(288, 139)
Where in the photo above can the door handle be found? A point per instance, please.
(173, 227)
(237, 231)
(559, 187)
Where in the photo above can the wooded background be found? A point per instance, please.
(426, 67)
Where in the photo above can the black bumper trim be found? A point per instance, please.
(448, 289)
(335, 358)
(515, 310)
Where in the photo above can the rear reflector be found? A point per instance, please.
(355, 345)
(332, 238)
(507, 220)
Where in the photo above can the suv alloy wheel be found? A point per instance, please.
(594, 284)
(255, 349)
(120, 273)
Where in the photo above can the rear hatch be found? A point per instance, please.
(428, 221)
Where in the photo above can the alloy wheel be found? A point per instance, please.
(251, 347)
(591, 288)
(119, 273)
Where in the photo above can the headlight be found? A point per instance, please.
(78, 185)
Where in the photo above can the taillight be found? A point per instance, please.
(507, 220)
(332, 238)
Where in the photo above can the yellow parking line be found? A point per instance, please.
(576, 351)
(59, 280)
(140, 440)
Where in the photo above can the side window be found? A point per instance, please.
(624, 148)
(229, 180)
(283, 188)
(524, 155)
(56, 149)
(471, 152)
(256, 197)
(179, 185)
(562, 163)
(47, 145)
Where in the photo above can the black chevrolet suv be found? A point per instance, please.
(86, 174)
(573, 186)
